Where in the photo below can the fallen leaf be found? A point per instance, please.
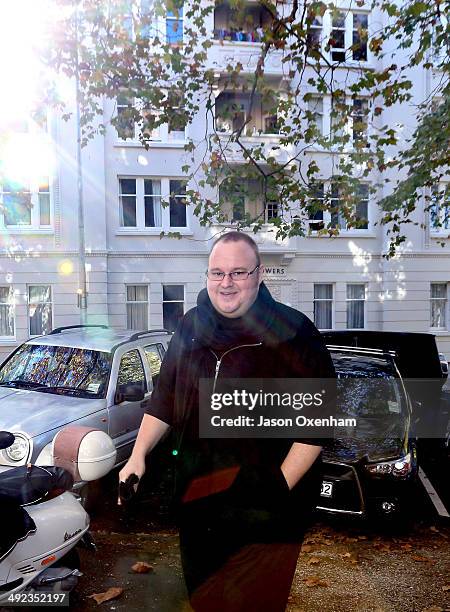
(433, 528)
(314, 560)
(327, 543)
(406, 547)
(446, 588)
(141, 567)
(362, 537)
(307, 548)
(347, 554)
(351, 540)
(111, 593)
(420, 558)
(433, 609)
(313, 581)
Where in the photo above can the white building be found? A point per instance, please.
(138, 280)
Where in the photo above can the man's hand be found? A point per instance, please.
(136, 466)
(150, 432)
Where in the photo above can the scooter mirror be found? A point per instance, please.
(6, 439)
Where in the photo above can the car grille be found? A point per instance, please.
(347, 494)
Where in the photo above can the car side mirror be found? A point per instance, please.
(130, 392)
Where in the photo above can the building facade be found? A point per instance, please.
(137, 279)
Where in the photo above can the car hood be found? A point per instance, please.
(35, 413)
(351, 450)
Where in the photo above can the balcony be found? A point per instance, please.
(237, 36)
(233, 110)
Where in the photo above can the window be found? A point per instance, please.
(359, 42)
(356, 297)
(26, 205)
(330, 196)
(240, 196)
(440, 208)
(360, 121)
(314, 35)
(140, 203)
(337, 40)
(323, 306)
(125, 121)
(40, 309)
(315, 108)
(362, 208)
(360, 211)
(173, 306)
(174, 26)
(154, 360)
(438, 305)
(177, 204)
(132, 120)
(315, 208)
(7, 329)
(128, 216)
(137, 307)
(131, 369)
(348, 36)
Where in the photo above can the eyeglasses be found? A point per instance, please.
(238, 275)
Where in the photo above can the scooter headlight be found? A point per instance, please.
(19, 450)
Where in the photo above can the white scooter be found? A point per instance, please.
(42, 520)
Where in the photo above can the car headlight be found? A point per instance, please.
(19, 449)
(399, 467)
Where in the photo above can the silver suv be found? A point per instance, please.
(82, 375)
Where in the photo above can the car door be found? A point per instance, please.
(125, 417)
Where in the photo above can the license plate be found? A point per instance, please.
(327, 489)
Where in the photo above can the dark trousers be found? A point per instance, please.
(235, 562)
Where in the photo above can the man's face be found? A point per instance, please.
(233, 298)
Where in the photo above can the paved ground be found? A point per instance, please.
(343, 567)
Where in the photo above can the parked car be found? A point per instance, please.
(369, 469)
(80, 375)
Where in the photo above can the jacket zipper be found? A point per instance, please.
(219, 361)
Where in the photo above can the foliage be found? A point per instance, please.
(124, 51)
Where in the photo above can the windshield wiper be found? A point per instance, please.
(27, 384)
(57, 388)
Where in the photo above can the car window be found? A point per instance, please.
(131, 369)
(153, 355)
(58, 369)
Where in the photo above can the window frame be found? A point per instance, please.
(33, 188)
(436, 210)
(349, 301)
(11, 305)
(51, 302)
(131, 302)
(445, 299)
(163, 301)
(165, 197)
(161, 134)
(331, 301)
(327, 217)
(349, 36)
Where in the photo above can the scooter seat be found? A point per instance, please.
(26, 485)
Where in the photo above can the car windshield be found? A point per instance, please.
(58, 369)
(369, 387)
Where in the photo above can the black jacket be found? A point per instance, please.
(282, 343)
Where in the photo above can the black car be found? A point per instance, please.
(369, 469)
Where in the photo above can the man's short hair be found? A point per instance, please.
(236, 236)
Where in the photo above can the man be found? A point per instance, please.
(244, 504)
